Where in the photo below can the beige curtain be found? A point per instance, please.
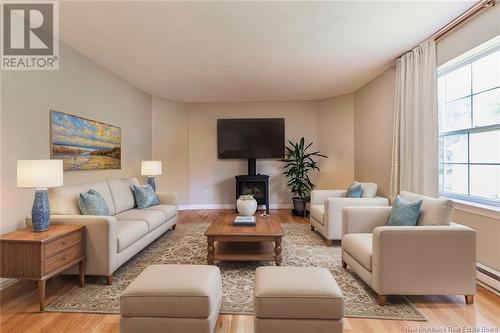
(415, 132)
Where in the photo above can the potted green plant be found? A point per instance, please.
(298, 163)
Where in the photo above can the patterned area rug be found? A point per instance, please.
(187, 245)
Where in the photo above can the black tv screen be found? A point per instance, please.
(251, 138)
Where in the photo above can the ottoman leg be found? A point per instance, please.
(344, 264)
(382, 299)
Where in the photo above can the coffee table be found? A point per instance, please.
(227, 242)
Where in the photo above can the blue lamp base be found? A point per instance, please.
(151, 181)
(40, 213)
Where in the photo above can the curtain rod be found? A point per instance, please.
(462, 19)
(458, 21)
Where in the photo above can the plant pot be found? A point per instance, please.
(246, 207)
(299, 206)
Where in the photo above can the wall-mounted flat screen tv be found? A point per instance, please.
(251, 138)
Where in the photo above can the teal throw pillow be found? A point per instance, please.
(92, 203)
(145, 196)
(404, 212)
(354, 191)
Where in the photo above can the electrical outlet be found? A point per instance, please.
(204, 189)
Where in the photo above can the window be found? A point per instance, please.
(469, 127)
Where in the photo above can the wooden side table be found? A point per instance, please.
(38, 256)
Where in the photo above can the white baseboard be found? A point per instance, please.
(489, 278)
(229, 206)
(4, 283)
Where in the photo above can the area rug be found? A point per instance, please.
(187, 245)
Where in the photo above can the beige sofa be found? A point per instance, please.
(326, 209)
(112, 240)
(436, 257)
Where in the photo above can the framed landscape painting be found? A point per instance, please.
(84, 144)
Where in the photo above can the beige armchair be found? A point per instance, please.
(326, 209)
(436, 257)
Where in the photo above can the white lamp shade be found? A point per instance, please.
(151, 168)
(39, 173)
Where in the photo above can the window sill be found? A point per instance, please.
(476, 208)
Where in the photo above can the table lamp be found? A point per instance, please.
(40, 174)
(151, 169)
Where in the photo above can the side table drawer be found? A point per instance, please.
(61, 244)
(63, 258)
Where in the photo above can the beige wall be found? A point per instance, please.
(373, 116)
(79, 87)
(336, 140)
(487, 234)
(170, 145)
(475, 32)
(217, 176)
(185, 139)
(373, 108)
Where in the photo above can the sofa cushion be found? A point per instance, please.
(64, 199)
(317, 211)
(169, 210)
(359, 246)
(154, 218)
(369, 190)
(121, 191)
(434, 211)
(128, 232)
(297, 292)
(185, 291)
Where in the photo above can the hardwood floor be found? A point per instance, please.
(19, 306)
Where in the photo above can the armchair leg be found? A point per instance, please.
(312, 228)
(469, 299)
(344, 264)
(173, 227)
(382, 299)
(109, 280)
(329, 242)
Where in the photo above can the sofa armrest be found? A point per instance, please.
(333, 212)
(167, 198)
(364, 219)
(318, 196)
(424, 260)
(100, 241)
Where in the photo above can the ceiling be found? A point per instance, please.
(250, 51)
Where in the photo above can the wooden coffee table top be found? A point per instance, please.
(224, 226)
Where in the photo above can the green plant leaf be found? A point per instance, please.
(298, 163)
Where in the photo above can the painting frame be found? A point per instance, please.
(109, 158)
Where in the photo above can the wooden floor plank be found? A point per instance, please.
(19, 305)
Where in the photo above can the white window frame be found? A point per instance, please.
(443, 70)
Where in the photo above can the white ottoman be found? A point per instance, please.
(172, 298)
(297, 300)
